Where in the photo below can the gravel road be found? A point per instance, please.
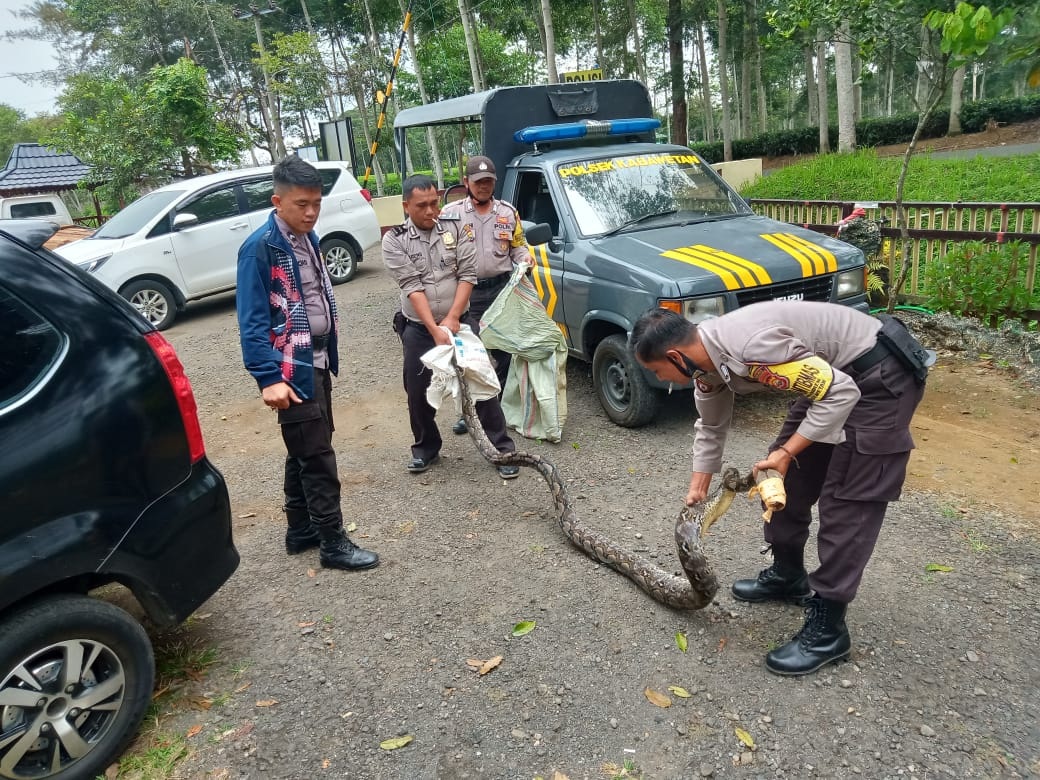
(316, 668)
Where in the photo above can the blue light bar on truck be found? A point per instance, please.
(588, 127)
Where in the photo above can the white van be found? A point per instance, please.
(180, 242)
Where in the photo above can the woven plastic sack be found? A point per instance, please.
(534, 399)
(471, 355)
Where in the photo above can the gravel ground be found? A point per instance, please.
(316, 668)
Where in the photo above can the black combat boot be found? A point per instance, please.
(302, 534)
(338, 552)
(823, 639)
(785, 580)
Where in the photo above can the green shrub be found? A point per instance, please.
(975, 116)
(981, 280)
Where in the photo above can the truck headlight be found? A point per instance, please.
(697, 309)
(90, 266)
(852, 282)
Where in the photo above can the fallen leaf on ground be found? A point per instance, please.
(722, 644)
(744, 737)
(682, 693)
(311, 573)
(559, 776)
(194, 730)
(680, 641)
(937, 567)
(656, 698)
(201, 704)
(489, 664)
(351, 528)
(242, 687)
(396, 742)
(523, 628)
(247, 514)
(306, 623)
(325, 764)
(112, 772)
(266, 702)
(474, 663)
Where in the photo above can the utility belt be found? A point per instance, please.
(493, 281)
(401, 322)
(318, 343)
(894, 339)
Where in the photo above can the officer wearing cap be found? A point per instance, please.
(495, 228)
(433, 262)
(844, 445)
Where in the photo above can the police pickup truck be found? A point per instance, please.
(620, 223)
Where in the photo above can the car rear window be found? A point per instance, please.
(30, 347)
(30, 210)
(329, 177)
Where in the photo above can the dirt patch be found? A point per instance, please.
(1000, 135)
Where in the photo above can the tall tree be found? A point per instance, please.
(550, 42)
(677, 72)
(727, 131)
(845, 93)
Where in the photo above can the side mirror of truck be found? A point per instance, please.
(538, 234)
(184, 219)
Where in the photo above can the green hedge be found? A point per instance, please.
(877, 132)
(975, 116)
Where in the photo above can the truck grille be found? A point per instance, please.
(815, 288)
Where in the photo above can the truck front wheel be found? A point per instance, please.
(623, 391)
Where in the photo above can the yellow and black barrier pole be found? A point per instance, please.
(385, 97)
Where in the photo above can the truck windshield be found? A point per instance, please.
(137, 214)
(607, 193)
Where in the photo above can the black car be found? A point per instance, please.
(103, 479)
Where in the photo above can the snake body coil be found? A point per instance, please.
(699, 587)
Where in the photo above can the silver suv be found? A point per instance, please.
(180, 242)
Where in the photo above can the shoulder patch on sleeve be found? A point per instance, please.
(811, 376)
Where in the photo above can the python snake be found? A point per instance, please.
(699, 587)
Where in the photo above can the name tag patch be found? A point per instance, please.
(811, 377)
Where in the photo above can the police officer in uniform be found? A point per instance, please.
(434, 263)
(844, 445)
(495, 228)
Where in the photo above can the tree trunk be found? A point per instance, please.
(633, 19)
(471, 44)
(746, 46)
(600, 63)
(956, 100)
(760, 90)
(844, 88)
(431, 139)
(727, 134)
(923, 68)
(821, 90)
(550, 43)
(709, 114)
(810, 86)
(676, 64)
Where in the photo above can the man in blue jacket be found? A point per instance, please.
(288, 328)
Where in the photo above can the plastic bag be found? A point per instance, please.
(471, 355)
(534, 399)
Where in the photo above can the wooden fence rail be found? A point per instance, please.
(934, 228)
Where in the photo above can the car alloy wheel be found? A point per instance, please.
(340, 259)
(75, 678)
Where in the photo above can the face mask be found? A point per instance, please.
(687, 368)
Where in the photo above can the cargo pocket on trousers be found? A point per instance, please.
(303, 429)
(870, 465)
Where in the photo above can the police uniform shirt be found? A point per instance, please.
(794, 346)
(312, 273)
(498, 235)
(432, 262)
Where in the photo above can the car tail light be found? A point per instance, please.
(366, 194)
(182, 390)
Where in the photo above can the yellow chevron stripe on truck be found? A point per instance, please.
(813, 258)
(735, 272)
(542, 277)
